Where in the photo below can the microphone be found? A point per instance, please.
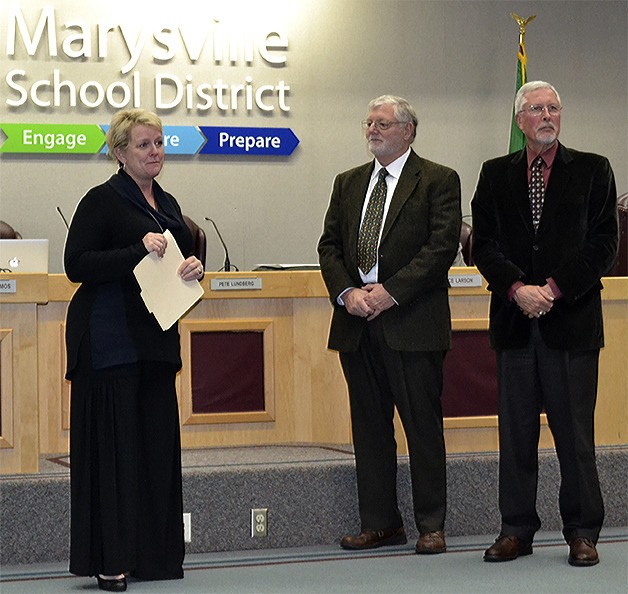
(227, 266)
(64, 220)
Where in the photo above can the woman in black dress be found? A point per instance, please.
(125, 451)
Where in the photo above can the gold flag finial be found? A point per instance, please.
(523, 23)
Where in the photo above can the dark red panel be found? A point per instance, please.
(227, 372)
(470, 377)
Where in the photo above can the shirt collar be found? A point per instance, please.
(548, 156)
(393, 168)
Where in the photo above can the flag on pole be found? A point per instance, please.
(517, 137)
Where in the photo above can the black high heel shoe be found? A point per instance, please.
(115, 585)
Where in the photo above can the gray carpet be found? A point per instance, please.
(328, 570)
(309, 491)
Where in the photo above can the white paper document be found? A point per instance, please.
(166, 295)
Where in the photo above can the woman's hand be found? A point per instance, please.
(155, 242)
(191, 269)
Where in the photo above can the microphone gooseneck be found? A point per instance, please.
(64, 219)
(227, 265)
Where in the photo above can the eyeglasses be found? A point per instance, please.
(537, 110)
(379, 125)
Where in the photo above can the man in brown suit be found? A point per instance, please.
(391, 322)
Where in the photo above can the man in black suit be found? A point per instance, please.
(391, 322)
(543, 238)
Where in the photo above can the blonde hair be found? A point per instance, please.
(122, 123)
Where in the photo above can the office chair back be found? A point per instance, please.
(8, 232)
(620, 268)
(466, 241)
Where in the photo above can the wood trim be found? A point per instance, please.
(65, 387)
(30, 288)
(615, 288)
(187, 328)
(60, 288)
(298, 283)
(477, 422)
(459, 324)
(6, 377)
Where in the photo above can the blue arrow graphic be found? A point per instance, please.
(182, 140)
(178, 140)
(224, 140)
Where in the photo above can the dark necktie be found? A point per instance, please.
(536, 191)
(369, 231)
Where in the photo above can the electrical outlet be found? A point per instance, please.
(187, 527)
(259, 522)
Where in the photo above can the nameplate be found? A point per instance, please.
(8, 286)
(456, 281)
(236, 284)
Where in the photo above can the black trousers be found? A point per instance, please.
(380, 379)
(125, 471)
(564, 383)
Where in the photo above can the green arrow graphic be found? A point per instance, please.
(52, 138)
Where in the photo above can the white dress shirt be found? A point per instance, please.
(394, 172)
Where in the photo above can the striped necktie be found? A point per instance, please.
(536, 190)
(369, 231)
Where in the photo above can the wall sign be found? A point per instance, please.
(178, 140)
(248, 141)
(198, 44)
(52, 138)
(200, 63)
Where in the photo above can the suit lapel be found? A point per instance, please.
(355, 205)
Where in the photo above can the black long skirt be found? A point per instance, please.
(125, 471)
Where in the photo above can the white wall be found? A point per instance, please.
(455, 61)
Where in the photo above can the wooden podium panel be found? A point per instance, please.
(19, 390)
(470, 375)
(304, 392)
(229, 375)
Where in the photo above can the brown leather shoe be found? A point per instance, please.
(371, 539)
(431, 543)
(507, 548)
(582, 553)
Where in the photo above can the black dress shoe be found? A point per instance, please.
(114, 585)
(371, 539)
(507, 548)
(582, 553)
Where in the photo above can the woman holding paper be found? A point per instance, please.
(125, 452)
